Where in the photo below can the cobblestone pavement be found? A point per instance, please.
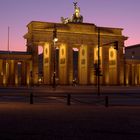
(22, 121)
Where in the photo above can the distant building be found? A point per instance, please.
(132, 52)
(132, 65)
(15, 68)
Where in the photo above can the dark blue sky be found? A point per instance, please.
(109, 13)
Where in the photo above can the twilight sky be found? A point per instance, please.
(108, 13)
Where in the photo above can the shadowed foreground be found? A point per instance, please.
(60, 122)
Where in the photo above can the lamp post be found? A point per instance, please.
(55, 39)
(98, 72)
(124, 67)
(98, 64)
(133, 68)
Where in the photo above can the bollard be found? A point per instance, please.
(68, 99)
(31, 98)
(106, 101)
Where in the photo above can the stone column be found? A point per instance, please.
(130, 74)
(135, 74)
(4, 73)
(16, 73)
(127, 74)
(138, 74)
(83, 65)
(23, 73)
(28, 69)
(63, 64)
(8, 71)
(120, 64)
(1, 72)
(35, 64)
(47, 63)
(70, 64)
(105, 65)
(11, 72)
(90, 64)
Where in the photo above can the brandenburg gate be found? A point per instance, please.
(80, 37)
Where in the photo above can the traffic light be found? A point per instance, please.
(54, 33)
(97, 70)
(116, 45)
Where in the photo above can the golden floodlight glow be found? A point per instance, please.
(75, 49)
(112, 54)
(55, 39)
(19, 63)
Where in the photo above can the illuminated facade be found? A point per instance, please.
(84, 38)
(132, 65)
(23, 68)
(15, 68)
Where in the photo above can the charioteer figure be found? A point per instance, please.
(76, 17)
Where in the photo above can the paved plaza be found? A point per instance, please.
(76, 122)
(55, 120)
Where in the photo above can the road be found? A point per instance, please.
(73, 89)
(117, 95)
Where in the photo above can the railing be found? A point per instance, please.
(53, 98)
(71, 99)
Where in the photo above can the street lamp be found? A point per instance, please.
(55, 39)
(98, 64)
(124, 66)
(98, 70)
